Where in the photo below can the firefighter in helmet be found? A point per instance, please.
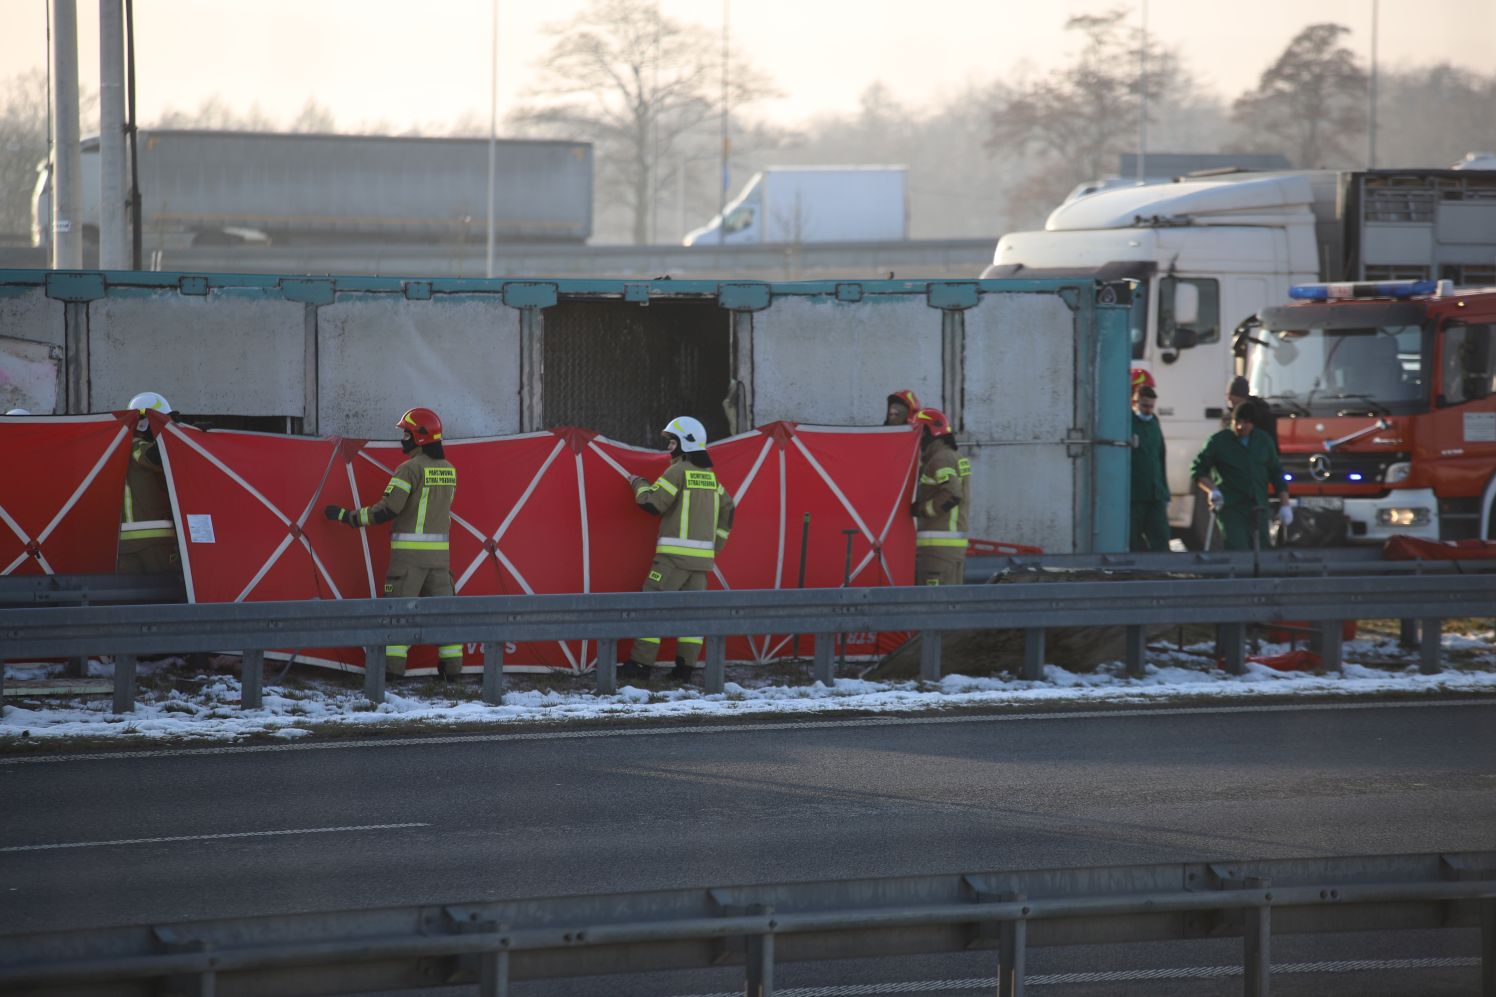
(902, 405)
(147, 529)
(940, 503)
(695, 518)
(418, 500)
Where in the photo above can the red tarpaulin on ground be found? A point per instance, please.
(539, 513)
(60, 499)
(1405, 548)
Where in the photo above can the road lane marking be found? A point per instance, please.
(747, 726)
(206, 837)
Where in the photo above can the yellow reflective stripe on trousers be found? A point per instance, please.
(147, 529)
(939, 538)
(678, 548)
(449, 651)
(396, 650)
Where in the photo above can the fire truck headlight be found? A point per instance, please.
(1397, 472)
(1403, 517)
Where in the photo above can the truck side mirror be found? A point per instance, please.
(1184, 339)
(1186, 303)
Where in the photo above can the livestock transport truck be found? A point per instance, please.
(345, 355)
(252, 189)
(1388, 395)
(1211, 251)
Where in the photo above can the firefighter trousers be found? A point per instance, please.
(939, 566)
(413, 574)
(666, 574)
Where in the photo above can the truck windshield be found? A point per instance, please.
(1369, 370)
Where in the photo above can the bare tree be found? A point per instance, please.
(1079, 116)
(636, 83)
(1313, 98)
(23, 144)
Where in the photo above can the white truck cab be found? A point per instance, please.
(1209, 254)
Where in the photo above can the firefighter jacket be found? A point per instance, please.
(419, 501)
(1150, 482)
(1243, 471)
(695, 514)
(146, 514)
(940, 501)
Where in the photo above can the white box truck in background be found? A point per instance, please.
(1213, 251)
(814, 204)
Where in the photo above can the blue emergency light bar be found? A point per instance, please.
(1368, 289)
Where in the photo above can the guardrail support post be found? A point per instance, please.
(825, 664)
(493, 673)
(1033, 654)
(1331, 644)
(1011, 944)
(607, 666)
(124, 683)
(1407, 633)
(2, 687)
(374, 674)
(1231, 641)
(251, 679)
(759, 963)
(929, 655)
(76, 667)
(1428, 649)
(1487, 948)
(494, 974)
(716, 665)
(1136, 639)
(1256, 943)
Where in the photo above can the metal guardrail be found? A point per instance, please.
(1276, 563)
(22, 590)
(372, 624)
(495, 944)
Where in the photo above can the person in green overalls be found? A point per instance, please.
(1235, 468)
(1150, 484)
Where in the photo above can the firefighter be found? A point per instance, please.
(147, 529)
(695, 518)
(902, 405)
(418, 500)
(1235, 468)
(940, 504)
(1239, 391)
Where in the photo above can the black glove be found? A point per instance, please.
(914, 510)
(340, 515)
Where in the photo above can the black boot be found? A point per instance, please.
(633, 671)
(682, 672)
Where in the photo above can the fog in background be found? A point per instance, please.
(992, 144)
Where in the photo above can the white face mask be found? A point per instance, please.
(1145, 416)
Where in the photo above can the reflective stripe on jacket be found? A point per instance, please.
(146, 511)
(942, 497)
(420, 496)
(695, 513)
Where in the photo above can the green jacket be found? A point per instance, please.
(1150, 482)
(1243, 473)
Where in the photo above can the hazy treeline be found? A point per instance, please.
(647, 91)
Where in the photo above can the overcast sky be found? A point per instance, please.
(406, 64)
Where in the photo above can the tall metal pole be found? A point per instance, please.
(114, 252)
(493, 129)
(726, 140)
(1371, 100)
(1143, 95)
(67, 161)
(130, 130)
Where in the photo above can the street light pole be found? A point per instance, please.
(493, 129)
(726, 140)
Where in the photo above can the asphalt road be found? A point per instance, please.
(480, 817)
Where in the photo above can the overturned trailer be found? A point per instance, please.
(1033, 373)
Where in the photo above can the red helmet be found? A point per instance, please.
(1142, 379)
(934, 420)
(424, 426)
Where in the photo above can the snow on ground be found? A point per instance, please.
(176, 704)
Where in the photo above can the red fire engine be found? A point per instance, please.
(1386, 401)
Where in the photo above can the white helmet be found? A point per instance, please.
(19, 411)
(149, 400)
(690, 432)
